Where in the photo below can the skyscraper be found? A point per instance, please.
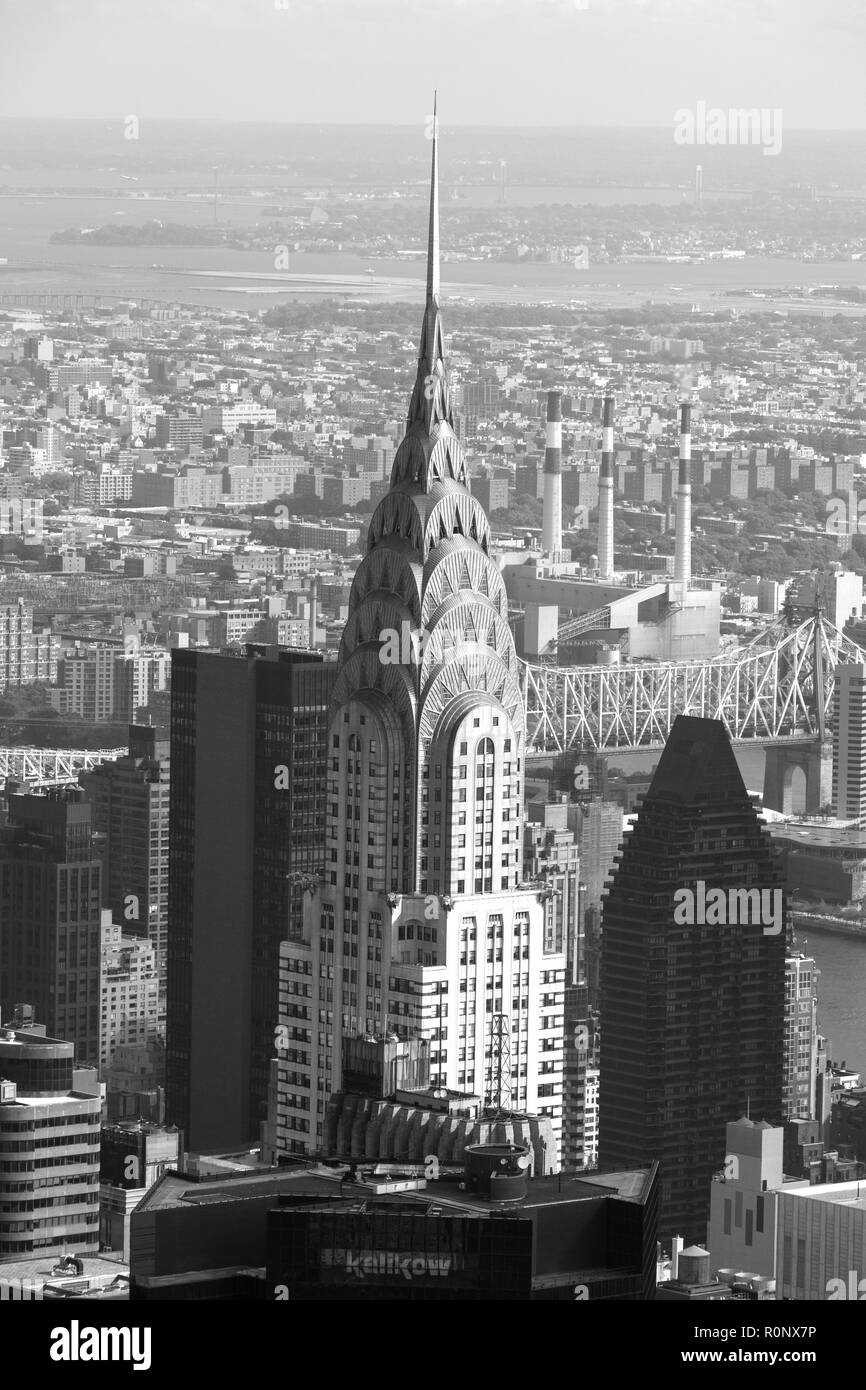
(417, 926)
(694, 941)
(130, 800)
(849, 744)
(801, 1036)
(600, 838)
(247, 812)
(50, 898)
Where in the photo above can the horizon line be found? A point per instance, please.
(412, 125)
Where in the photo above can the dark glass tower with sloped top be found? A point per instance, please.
(692, 1013)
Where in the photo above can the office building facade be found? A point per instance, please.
(801, 1037)
(50, 902)
(49, 1147)
(25, 656)
(742, 1229)
(130, 808)
(301, 1232)
(821, 1242)
(247, 812)
(129, 1014)
(849, 744)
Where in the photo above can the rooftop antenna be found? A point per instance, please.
(498, 1088)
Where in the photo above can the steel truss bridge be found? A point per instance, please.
(780, 687)
(72, 299)
(53, 767)
(777, 688)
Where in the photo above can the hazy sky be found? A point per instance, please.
(495, 62)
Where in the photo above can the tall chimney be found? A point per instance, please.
(683, 550)
(551, 542)
(314, 594)
(605, 495)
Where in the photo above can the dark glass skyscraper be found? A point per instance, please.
(692, 985)
(247, 811)
(50, 900)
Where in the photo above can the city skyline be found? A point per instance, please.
(475, 907)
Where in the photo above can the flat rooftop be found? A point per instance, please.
(836, 836)
(840, 1194)
(55, 1098)
(39, 1267)
(175, 1189)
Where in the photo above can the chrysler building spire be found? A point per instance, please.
(433, 236)
(428, 572)
(431, 398)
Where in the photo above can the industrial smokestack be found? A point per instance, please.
(605, 495)
(683, 551)
(314, 594)
(552, 514)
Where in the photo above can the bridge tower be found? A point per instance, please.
(782, 761)
(814, 756)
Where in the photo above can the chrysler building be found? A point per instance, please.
(418, 926)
